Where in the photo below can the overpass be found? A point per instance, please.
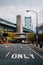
(4, 24)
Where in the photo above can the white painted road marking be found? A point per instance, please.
(21, 56)
(7, 54)
(13, 55)
(20, 46)
(7, 46)
(36, 53)
(32, 56)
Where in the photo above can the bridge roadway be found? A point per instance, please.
(19, 54)
(4, 24)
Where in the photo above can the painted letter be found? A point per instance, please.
(20, 56)
(14, 56)
(25, 56)
(32, 55)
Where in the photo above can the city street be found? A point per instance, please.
(21, 32)
(19, 54)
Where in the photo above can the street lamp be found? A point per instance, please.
(36, 23)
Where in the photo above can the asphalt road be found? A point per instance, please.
(19, 54)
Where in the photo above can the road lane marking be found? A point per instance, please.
(20, 46)
(32, 56)
(36, 53)
(14, 56)
(21, 56)
(7, 46)
(7, 54)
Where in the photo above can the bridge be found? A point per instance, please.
(7, 25)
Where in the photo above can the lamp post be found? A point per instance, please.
(36, 24)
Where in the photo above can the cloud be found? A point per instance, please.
(9, 9)
(8, 13)
(33, 3)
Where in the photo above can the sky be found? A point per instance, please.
(9, 9)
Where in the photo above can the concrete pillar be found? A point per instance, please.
(19, 24)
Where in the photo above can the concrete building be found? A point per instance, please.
(28, 23)
(19, 24)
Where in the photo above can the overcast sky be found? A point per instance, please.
(10, 8)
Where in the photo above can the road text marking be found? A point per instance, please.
(21, 56)
(7, 46)
(7, 54)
